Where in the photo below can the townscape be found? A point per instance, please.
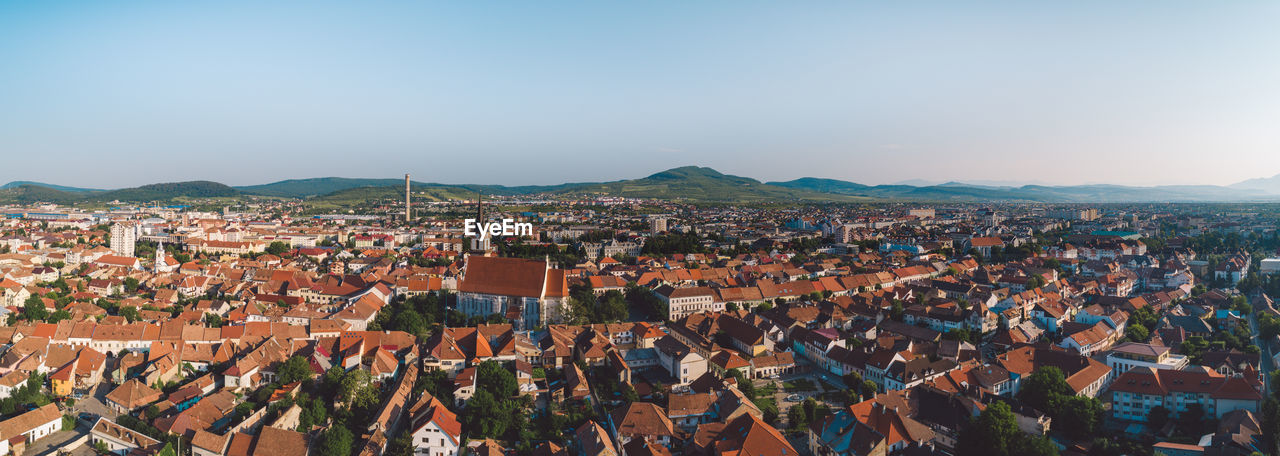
(632, 326)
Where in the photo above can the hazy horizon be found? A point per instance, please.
(113, 95)
(418, 179)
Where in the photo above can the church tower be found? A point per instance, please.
(160, 256)
(479, 244)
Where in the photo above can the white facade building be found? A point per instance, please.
(124, 237)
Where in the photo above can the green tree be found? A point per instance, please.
(869, 389)
(895, 312)
(995, 433)
(582, 305)
(336, 441)
(744, 384)
(488, 416)
(359, 390)
(277, 248)
(437, 384)
(130, 284)
(991, 433)
(612, 306)
(1043, 386)
(1194, 347)
(34, 310)
(628, 393)
(211, 320)
(1034, 445)
(59, 315)
(1138, 333)
(130, 313)
(412, 322)
(295, 369)
(1078, 416)
(810, 411)
(492, 376)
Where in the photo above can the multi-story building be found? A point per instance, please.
(124, 237)
(228, 247)
(1136, 392)
(1270, 266)
(1080, 214)
(679, 360)
(598, 250)
(1130, 355)
(682, 302)
(658, 225)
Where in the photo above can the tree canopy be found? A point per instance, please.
(995, 433)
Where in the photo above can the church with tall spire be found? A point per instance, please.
(160, 262)
(478, 245)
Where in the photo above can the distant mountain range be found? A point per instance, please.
(36, 193)
(959, 192)
(970, 182)
(689, 183)
(1265, 184)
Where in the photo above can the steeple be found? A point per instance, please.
(477, 243)
(159, 255)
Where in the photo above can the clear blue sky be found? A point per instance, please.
(113, 94)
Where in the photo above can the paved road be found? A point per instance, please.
(58, 440)
(95, 403)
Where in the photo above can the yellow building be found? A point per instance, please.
(64, 379)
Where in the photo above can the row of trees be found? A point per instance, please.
(673, 243)
(801, 415)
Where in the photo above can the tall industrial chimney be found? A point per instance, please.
(407, 211)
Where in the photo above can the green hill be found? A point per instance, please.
(690, 183)
(166, 191)
(959, 192)
(301, 188)
(322, 186)
(16, 184)
(818, 184)
(362, 195)
(28, 194)
(701, 184)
